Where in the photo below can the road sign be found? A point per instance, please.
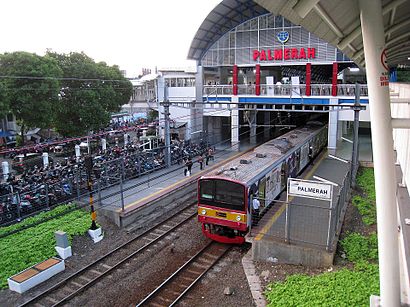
(310, 189)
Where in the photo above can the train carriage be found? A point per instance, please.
(225, 194)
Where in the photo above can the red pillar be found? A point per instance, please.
(334, 79)
(235, 80)
(258, 80)
(308, 78)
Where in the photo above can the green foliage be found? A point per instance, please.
(341, 288)
(89, 94)
(43, 216)
(359, 248)
(30, 89)
(403, 75)
(366, 205)
(19, 140)
(367, 209)
(152, 116)
(365, 180)
(28, 247)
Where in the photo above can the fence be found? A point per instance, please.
(312, 223)
(114, 176)
(285, 90)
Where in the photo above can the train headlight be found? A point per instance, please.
(203, 212)
(238, 218)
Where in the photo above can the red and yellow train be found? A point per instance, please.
(225, 194)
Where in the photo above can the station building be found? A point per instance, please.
(247, 56)
(256, 72)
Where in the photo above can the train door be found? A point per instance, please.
(304, 156)
(261, 193)
(273, 184)
(292, 162)
(248, 209)
(283, 176)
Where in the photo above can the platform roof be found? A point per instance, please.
(338, 22)
(335, 21)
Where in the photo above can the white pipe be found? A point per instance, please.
(384, 170)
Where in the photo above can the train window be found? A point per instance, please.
(207, 189)
(221, 193)
(229, 194)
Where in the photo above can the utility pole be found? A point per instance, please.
(167, 133)
(88, 161)
(355, 153)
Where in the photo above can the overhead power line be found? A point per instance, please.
(60, 78)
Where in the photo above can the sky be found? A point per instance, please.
(129, 33)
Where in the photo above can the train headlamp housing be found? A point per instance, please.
(238, 218)
(203, 212)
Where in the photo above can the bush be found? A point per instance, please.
(30, 246)
(367, 209)
(342, 288)
(359, 248)
(41, 217)
(365, 180)
(366, 205)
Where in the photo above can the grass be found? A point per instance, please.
(366, 204)
(359, 248)
(341, 288)
(30, 246)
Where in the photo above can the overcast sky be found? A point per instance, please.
(129, 33)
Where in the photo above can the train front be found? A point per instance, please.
(223, 209)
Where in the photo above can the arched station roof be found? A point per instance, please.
(335, 21)
(224, 17)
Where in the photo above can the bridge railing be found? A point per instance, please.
(284, 90)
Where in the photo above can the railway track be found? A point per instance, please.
(183, 279)
(81, 280)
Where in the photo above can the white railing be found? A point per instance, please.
(401, 137)
(284, 90)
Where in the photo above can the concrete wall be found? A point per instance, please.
(286, 253)
(147, 213)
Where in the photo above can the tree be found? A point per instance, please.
(30, 86)
(90, 92)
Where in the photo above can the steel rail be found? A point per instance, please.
(99, 260)
(222, 249)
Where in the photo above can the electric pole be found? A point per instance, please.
(167, 133)
(355, 153)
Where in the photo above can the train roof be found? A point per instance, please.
(245, 167)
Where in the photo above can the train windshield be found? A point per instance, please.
(222, 193)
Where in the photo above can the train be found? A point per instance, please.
(225, 194)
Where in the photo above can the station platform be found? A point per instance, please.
(344, 149)
(151, 195)
(306, 232)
